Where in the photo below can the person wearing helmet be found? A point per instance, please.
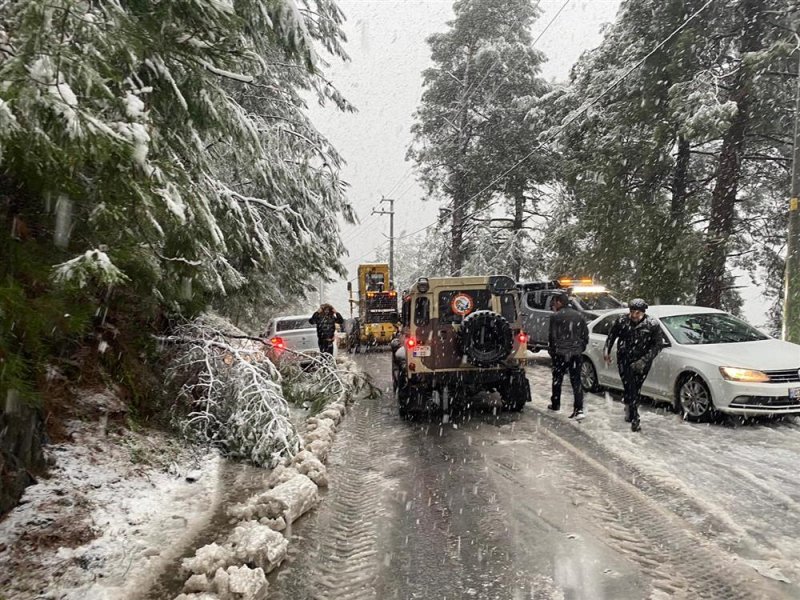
(639, 340)
(568, 338)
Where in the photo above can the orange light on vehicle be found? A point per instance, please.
(569, 282)
(277, 342)
(522, 337)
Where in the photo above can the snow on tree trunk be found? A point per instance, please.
(711, 280)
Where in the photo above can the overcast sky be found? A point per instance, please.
(388, 52)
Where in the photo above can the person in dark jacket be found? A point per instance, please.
(568, 338)
(639, 340)
(326, 319)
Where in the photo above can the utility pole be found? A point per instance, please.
(791, 288)
(389, 212)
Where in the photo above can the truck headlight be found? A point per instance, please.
(749, 375)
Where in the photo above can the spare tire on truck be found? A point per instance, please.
(486, 338)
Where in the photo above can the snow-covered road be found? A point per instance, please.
(744, 475)
(535, 506)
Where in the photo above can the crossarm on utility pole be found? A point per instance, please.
(389, 212)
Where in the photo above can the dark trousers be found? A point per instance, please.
(325, 346)
(562, 364)
(632, 381)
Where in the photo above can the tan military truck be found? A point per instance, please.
(459, 336)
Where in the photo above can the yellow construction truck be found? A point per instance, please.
(376, 321)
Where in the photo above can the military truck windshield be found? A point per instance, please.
(456, 304)
(597, 301)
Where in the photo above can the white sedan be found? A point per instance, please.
(711, 361)
(292, 338)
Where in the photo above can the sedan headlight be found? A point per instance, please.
(749, 375)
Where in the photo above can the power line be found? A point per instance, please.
(474, 88)
(585, 107)
(593, 101)
(514, 65)
(356, 230)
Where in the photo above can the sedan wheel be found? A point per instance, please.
(694, 399)
(589, 376)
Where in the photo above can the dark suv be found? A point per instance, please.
(536, 298)
(458, 336)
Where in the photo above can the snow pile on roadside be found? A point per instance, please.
(225, 571)
(116, 510)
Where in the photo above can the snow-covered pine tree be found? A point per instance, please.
(470, 126)
(134, 113)
(641, 167)
(162, 147)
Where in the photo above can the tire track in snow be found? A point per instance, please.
(341, 559)
(683, 562)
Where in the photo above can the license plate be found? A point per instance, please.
(421, 351)
(794, 393)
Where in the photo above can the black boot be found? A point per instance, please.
(635, 425)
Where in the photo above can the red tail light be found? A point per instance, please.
(522, 337)
(410, 342)
(277, 342)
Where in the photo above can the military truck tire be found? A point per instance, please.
(401, 392)
(486, 338)
(516, 393)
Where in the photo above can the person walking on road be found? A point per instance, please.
(326, 319)
(640, 341)
(568, 338)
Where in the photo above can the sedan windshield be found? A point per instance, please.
(711, 328)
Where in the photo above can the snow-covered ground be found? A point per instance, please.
(115, 511)
(744, 475)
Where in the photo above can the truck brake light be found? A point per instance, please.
(522, 337)
(277, 342)
(410, 342)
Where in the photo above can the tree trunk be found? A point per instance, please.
(460, 187)
(457, 234)
(679, 186)
(711, 280)
(723, 209)
(516, 232)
